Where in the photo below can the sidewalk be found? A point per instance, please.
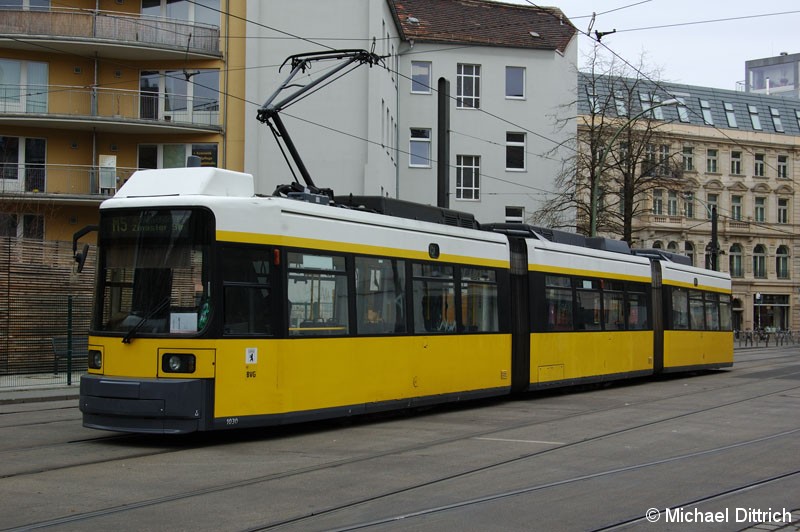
(38, 387)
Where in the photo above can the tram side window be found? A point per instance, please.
(380, 295)
(613, 305)
(434, 298)
(317, 292)
(558, 295)
(725, 323)
(588, 304)
(712, 312)
(479, 310)
(638, 318)
(696, 310)
(246, 290)
(680, 308)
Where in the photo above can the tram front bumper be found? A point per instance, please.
(163, 406)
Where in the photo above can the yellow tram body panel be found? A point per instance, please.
(296, 375)
(585, 355)
(697, 348)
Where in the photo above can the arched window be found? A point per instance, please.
(673, 247)
(735, 261)
(689, 247)
(782, 262)
(658, 245)
(760, 262)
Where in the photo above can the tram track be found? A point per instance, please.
(87, 516)
(316, 514)
(581, 478)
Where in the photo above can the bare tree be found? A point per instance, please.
(622, 152)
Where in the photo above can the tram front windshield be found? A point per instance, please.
(153, 272)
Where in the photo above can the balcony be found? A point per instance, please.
(108, 34)
(68, 183)
(106, 110)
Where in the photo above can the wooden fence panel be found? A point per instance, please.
(37, 280)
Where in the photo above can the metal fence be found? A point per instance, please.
(44, 312)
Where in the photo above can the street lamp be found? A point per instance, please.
(595, 183)
(758, 306)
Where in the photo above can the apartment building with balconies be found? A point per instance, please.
(91, 90)
(738, 152)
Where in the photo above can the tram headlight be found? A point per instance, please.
(95, 359)
(178, 363)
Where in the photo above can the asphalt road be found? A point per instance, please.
(710, 451)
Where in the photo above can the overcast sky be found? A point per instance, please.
(710, 54)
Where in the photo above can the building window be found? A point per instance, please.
(468, 177)
(758, 166)
(783, 166)
(515, 151)
(663, 160)
(515, 82)
(621, 102)
(760, 209)
(650, 102)
(171, 95)
(206, 12)
(705, 107)
(688, 159)
(8, 225)
(711, 161)
(22, 164)
(30, 226)
(783, 211)
(683, 111)
(468, 86)
(174, 155)
(735, 261)
(776, 119)
(592, 99)
(688, 204)
(649, 160)
(419, 148)
(712, 200)
(672, 203)
(658, 201)
(421, 77)
(23, 86)
(736, 207)
(736, 163)
(754, 119)
(760, 262)
(689, 251)
(33, 226)
(730, 115)
(515, 215)
(782, 262)
(797, 116)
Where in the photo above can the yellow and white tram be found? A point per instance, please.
(216, 308)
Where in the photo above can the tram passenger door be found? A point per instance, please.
(658, 317)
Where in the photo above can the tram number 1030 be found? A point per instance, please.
(232, 421)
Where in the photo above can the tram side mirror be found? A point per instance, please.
(80, 257)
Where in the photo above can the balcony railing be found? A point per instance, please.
(80, 102)
(111, 26)
(31, 179)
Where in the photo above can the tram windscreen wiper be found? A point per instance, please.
(127, 338)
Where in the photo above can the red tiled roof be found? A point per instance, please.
(483, 22)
